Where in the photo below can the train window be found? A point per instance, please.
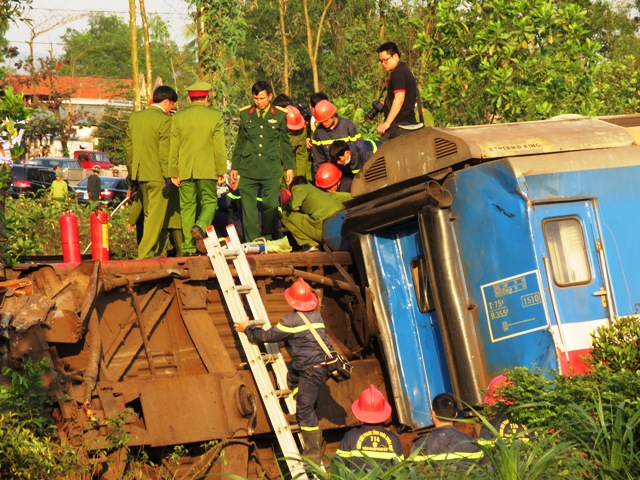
(567, 251)
(421, 284)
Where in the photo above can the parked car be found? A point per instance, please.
(114, 189)
(30, 180)
(64, 163)
(94, 158)
(72, 171)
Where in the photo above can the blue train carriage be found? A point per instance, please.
(490, 247)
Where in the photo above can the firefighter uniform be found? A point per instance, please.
(445, 443)
(306, 371)
(306, 211)
(147, 158)
(368, 446)
(261, 152)
(504, 428)
(198, 158)
(323, 138)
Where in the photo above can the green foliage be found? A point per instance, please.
(112, 132)
(27, 398)
(27, 448)
(225, 31)
(33, 226)
(10, 11)
(616, 347)
(508, 61)
(608, 434)
(103, 50)
(13, 116)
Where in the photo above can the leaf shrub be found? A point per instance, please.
(617, 346)
(33, 229)
(28, 449)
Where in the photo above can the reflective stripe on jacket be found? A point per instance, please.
(305, 350)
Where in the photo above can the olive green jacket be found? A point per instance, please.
(262, 148)
(197, 144)
(310, 200)
(147, 145)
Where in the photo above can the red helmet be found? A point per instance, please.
(371, 406)
(327, 175)
(324, 111)
(285, 196)
(294, 118)
(493, 396)
(300, 296)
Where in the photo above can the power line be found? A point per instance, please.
(69, 10)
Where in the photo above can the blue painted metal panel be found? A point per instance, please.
(496, 248)
(616, 191)
(416, 336)
(331, 232)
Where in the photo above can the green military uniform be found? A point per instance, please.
(301, 154)
(173, 223)
(198, 157)
(261, 153)
(341, 197)
(147, 149)
(298, 140)
(307, 209)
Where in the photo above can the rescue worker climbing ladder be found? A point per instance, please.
(258, 364)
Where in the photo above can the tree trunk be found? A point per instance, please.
(147, 51)
(282, 9)
(134, 55)
(200, 36)
(311, 48)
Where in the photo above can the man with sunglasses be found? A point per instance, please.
(400, 102)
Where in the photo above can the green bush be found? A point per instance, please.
(33, 229)
(28, 449)
(617, 346)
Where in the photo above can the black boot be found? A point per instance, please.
(313, 446)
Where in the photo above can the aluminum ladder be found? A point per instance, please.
(233, 293)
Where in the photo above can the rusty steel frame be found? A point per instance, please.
(152, 342)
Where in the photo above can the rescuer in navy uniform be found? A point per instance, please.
(371, 444)
(500, 424)
(445, 442)
(307, 371)
(261, 153)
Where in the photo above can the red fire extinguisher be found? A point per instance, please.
(99, 222)
(69, 238)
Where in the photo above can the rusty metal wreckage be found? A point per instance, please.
(152, 342)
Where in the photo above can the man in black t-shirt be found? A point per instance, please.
(400, 102)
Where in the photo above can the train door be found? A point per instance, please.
(409, 331)
(574, 270)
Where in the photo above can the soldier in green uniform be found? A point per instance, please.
(147, 149)
(306, 211)
(298, 138)
(261, 152)
(197, 164)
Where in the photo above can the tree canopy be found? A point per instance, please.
(475, 62)
(103, 50)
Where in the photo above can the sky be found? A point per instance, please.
(46, 14)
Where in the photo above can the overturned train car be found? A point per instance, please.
(464, 251)
(490, 247)
(151, 343)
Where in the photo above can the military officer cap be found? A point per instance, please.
(199, 89)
